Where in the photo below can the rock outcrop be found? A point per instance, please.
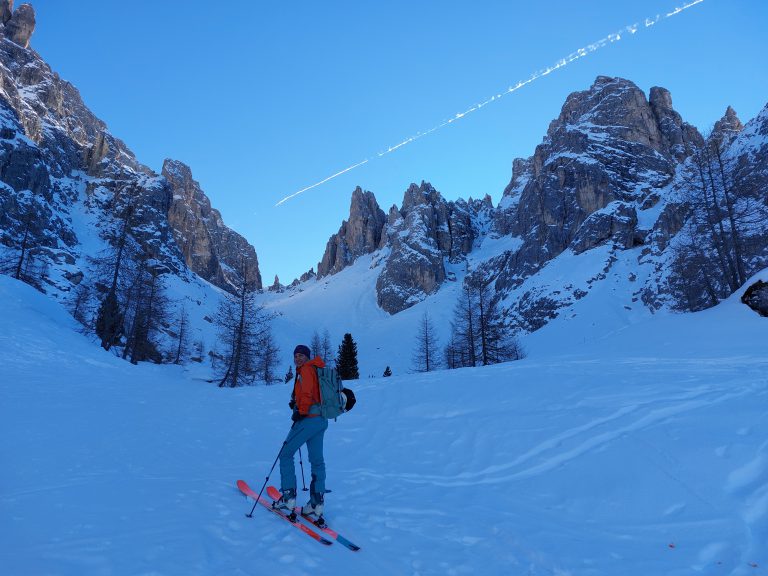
(360, 234)
(756, 297)
(19, 24)
(6, 11)
(211, 249)
(678, 139)
(727, 128)
(605, 158)
(59, 163)
(414, 268)
(422, 236)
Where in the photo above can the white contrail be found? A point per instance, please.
(580, 53)
(331, 177)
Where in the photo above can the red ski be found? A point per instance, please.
(274, 493)
(245, 489)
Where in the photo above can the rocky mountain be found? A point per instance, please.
(18, 25)
(620, 191)
(360, 234)
(612, 179)
(603, 163)
(210, 249)
(718, 205)
(422, 236)
(59, 166)
(418, 238)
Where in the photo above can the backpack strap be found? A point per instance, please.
(314, 410)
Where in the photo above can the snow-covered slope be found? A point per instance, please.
(643, 453)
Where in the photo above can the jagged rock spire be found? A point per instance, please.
(423, 235)
(359, 235)
(678, 138)
(19, 24)
(727, 127)
(6, 11)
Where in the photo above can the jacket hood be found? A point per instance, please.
(317, 362)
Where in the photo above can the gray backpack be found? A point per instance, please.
(335, 399)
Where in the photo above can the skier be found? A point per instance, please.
(308, 428)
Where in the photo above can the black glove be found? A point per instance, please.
(292, 404)
(296, 416)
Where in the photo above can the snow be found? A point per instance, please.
(641, 451)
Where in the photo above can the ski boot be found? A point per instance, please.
(313, 510)
(286, 504)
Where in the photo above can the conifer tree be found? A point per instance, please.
(326, 350)
(710, 255)
(267, 353)
(245, 334)
(182, 348)
(316, 344)
(387, 372)
(147, 305)
(109, 320)
(79, 303)
(346, 359)
(321, 346)
(426, 355)
(478, 333)
(25, 265)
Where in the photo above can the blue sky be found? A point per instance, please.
(263, 99)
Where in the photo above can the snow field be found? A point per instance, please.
(644, 453)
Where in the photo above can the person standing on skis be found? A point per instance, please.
(308, 428)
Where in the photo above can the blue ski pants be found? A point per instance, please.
(309, 431)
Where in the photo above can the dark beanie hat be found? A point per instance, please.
(301, 349)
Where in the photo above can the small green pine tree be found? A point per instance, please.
(109, 322)
(346, 360)
(387, 372)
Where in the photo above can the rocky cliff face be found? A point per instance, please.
(609, 147)
(18, 26)
(360, 234)
(416, 235)
(58, 161)
(419, 238)
(710, 235)
(425, 234)
(210, 249)
(55, 155)
(612, 179)
(603, 162)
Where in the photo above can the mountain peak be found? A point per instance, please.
(18, 25)
(359, 235)
(727, 127)
(6, 11)
(660, 98)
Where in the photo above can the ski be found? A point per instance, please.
(245, 489)
(274, 493)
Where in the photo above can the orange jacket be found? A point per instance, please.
(306, 388)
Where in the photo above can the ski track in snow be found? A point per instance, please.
(550, 453)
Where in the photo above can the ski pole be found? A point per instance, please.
(250, 515)
(303, 483)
